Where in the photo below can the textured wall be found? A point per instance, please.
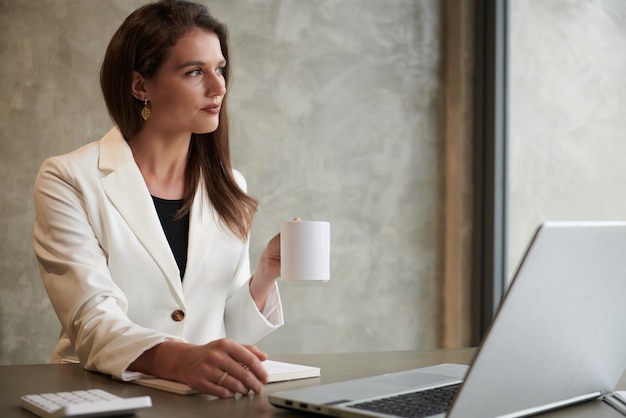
(334, 117)
(568, 95)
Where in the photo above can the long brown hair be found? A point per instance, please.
(141, 44)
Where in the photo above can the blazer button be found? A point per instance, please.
(178, 315)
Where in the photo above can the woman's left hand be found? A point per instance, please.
(269, 263)
(267, 271)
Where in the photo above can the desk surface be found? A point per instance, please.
(25, 379)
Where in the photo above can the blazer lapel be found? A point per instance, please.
(126, 188)
(202, 230)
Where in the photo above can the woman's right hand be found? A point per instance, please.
(221, 368)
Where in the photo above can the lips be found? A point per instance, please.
(213, 109)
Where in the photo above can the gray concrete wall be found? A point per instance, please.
(568, 95)
(334, 111)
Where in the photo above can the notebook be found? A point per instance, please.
(558, 338)
(278, 371)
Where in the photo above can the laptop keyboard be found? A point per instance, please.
(413, 405)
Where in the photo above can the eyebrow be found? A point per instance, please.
(197, 64)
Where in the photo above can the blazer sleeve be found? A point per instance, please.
(90, 306)
(242, 319)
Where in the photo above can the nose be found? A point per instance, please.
(216, 85)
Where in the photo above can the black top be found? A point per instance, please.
(176, 229)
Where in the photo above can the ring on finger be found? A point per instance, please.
(222, 378)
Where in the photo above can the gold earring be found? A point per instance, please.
(145, 112)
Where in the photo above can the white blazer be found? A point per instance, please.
(111, 275)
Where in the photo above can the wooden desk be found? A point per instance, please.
(25, 379)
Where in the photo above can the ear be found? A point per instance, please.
(138, 87)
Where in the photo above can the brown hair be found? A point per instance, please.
(141, 44)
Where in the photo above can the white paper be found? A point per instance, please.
(278, 371)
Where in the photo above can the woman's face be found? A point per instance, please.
(186, 93)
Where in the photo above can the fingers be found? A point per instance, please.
(255, 350)
(248, 367)
(227, 385)
(230, 368)
(241, 380)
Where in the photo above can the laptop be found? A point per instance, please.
(558, 338)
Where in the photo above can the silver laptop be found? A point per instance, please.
(558, 338)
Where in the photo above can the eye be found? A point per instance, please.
(195, 72)
(221, 70)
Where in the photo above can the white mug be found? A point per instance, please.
(305, 251)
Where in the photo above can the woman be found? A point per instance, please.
(142, 237)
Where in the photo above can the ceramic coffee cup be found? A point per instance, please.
(305, 251)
